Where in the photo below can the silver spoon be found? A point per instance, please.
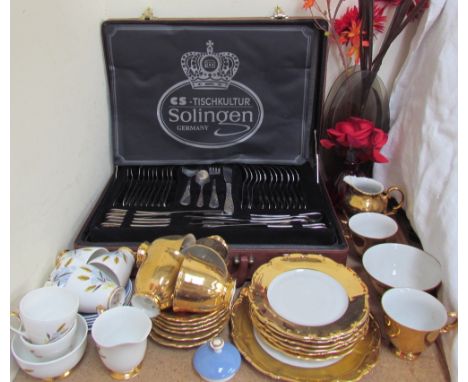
(201, 178)
(185, 199)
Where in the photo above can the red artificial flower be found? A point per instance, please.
(308, 4)
(396, 3)
(392, 3)
(360, 135)
(344, 23)
(379, 19)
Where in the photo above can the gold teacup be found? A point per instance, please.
(159, 264)
(413, 320)
(217, 243)
(201, 287)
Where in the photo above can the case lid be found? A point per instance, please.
(230, 91)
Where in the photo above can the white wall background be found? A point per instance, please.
(60, 136)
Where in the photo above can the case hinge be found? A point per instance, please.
(147, 14)
(279, 14)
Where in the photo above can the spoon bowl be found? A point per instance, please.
(201, 178)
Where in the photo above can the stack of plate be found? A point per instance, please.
(187, 330)
(309, 314)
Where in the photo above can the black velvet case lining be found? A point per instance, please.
(258, 237)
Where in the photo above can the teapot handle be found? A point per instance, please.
(402, 197)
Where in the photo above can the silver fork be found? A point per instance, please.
(214, 171)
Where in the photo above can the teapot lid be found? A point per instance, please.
(217, 360)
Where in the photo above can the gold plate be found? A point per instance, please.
(188, 318)
(192, 328)
(184, 323)
(351, 368)
(188, 337)
(306, 351)
(355, 315)
(179, 345)
(313, 343)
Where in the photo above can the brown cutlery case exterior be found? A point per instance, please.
(239, 93)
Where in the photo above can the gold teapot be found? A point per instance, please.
(159, 264)
(369, 195)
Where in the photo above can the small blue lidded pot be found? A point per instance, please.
(217, 361)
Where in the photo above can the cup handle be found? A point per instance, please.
(451, 325)
(402, 197)
(100, 309)
(16, 315)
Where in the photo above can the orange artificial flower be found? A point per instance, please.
(308, 4)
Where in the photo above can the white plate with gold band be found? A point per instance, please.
(308, 297)
(288, 360)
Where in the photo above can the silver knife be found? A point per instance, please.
(228, 203)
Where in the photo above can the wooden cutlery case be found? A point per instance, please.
(227, 107)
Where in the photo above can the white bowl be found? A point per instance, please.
(52, 350)
(393, 265)
(59, 367)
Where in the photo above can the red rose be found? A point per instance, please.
(360, 135)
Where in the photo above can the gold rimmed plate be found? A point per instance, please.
(178, 345)
(188, 318)
(189, 337)
(308, 351)
(309, 342)
(190, 328)
(184, 323)
(351, 368)
(297, 313)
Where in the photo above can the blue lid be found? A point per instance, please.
(216, 360)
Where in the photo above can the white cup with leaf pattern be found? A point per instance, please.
(117, 264)
(45, 314)
(94, 288)
(68, 261)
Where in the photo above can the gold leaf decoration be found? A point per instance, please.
(125, 257)
(61, 328)
(116, 260)
(69, 262)
(90, 288)
(105, 258)
(86, 269)
(83, 278)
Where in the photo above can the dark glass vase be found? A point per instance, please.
(355, 93)
(337, 188)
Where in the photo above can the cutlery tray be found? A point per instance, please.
(240, 99)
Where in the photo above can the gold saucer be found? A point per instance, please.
(187, 336)
(176, 329)
(351, 368)
(180, 345)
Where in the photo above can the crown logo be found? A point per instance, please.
(209, 70)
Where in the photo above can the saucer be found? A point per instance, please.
(57, 368)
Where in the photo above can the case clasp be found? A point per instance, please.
(279, 14)
(147, 14)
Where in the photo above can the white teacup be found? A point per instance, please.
(93, 288)
(121, 337)
(118, 263)
(46, 314)
(67, 261)
(52, 350)
(371, 228)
